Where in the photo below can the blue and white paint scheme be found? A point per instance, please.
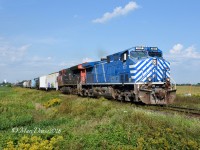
(130, 66)
(139, 68)
(155, 69)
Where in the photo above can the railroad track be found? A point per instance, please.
(190, 112)
(187, 111)
(170, 109)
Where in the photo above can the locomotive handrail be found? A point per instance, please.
(173, 82)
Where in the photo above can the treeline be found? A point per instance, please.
(6, 84)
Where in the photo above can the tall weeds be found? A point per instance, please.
(87, 123)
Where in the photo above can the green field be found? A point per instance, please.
(184, 90)
(32, 119)
(185, 100)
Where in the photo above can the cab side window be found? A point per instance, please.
(124, 56)
(108, 59)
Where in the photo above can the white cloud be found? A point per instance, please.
(118, 11)
(40, 59)
(11, 53)
(2, 64)
(67, 64)
(42, 40)
(86, 60)
(191, 52)
(185, 62)
(179, 55)
(178, 51)
(18, 63)
(47, 40)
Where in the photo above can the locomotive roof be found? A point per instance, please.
(139, 48)
(76, 67)
(90, 64)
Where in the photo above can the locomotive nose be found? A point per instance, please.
(159, 94)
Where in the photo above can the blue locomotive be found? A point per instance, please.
(138, 74)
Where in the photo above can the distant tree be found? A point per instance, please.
(6, 84)
(9, 85)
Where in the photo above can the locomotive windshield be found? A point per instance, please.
(155, 54)
(138, 54)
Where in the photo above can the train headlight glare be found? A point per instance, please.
(149, 79)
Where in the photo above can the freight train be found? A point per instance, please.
(137, 74)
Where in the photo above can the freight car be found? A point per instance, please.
(43, 82)
(47, 82)
(19, 84)
(27, 84)
(52, 81)
(35, 83)
(138, 74)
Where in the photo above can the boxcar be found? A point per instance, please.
(52, 81)
(43, 82)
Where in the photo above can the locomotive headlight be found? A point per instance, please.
(154, 61)
(149, 79)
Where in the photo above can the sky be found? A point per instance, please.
(38, 37)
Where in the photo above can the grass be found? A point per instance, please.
(185, 100)
(31, 118)
(184, 90)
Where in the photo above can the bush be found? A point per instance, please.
(35, 142)
(52, 102)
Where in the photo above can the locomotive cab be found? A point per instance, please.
(136, 55)
(142, 53)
